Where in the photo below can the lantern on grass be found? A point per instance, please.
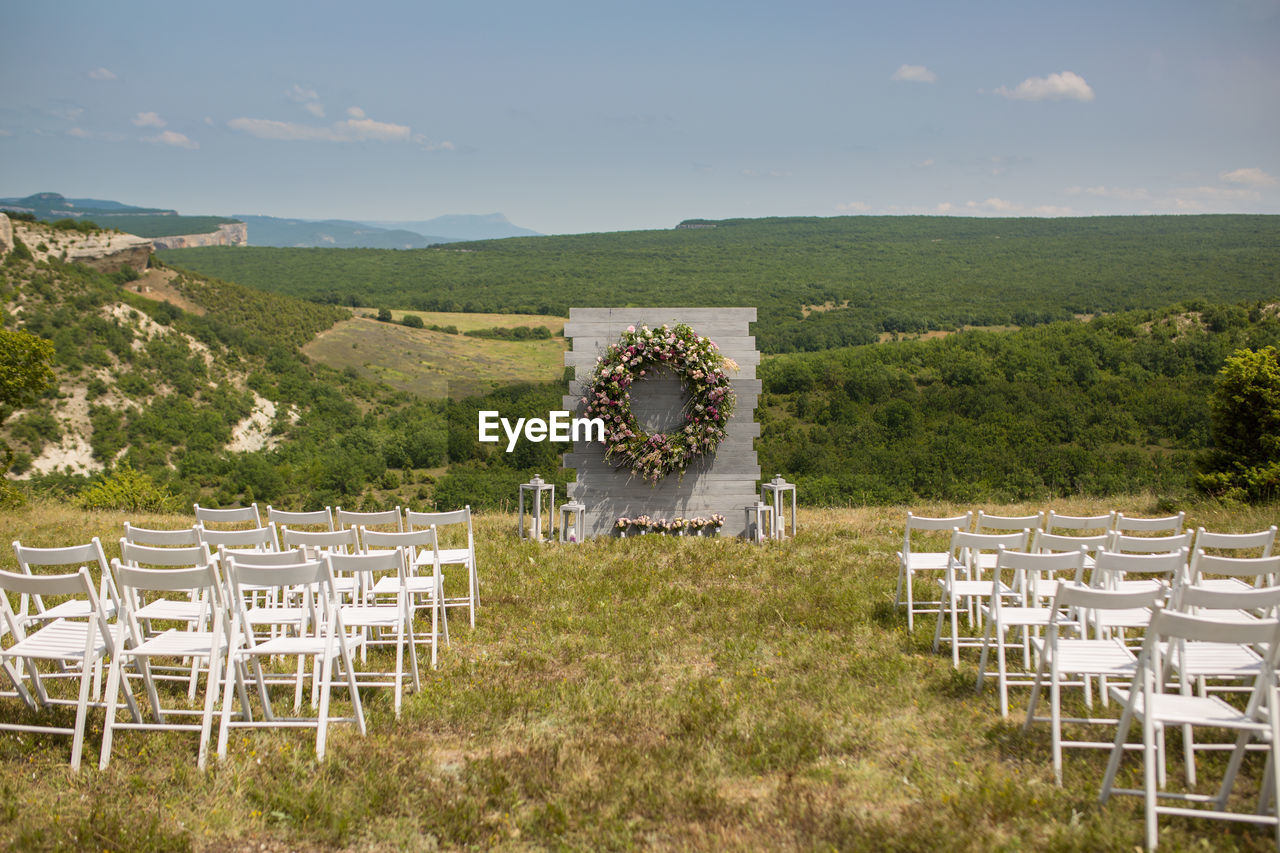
(534, 490)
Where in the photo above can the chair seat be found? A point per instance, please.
(417, 585)
(165, 608)
(178, 644)
(1176, 709)
(1221, 660)
(74, 609)
(286, 646)
(451, 556)
(275, 615)
(1138, 617)
(1027, 616)
(369, 616)
(1095, 657)
(1224, 584)
(927, 561)
(973, 588)
(59, 640)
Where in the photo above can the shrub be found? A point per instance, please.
(127, 489)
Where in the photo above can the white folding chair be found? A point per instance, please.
(1147, 702)
(193, 610)
(1218, 667)
(1232, 574)
(239, 516)
(1044, 542)
(1079, 525)
(320, 637)
(1034, 579)
(382, 624)
(1158, 572)
(461, 553)
(392, 519)
(86, 641)
(913, 559)
(1135, 525)
(1262, 542)
(207, 641)
(425, 580)
(1075, 661)
(183, 537)
(318, 542)
(1124, 543)
(962, 584)
(89, 555)
(245, 539)
(317, 519)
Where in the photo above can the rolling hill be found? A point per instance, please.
(818, 283)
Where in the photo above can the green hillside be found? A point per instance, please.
(871, 274)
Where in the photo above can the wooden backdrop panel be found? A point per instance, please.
(724, 483)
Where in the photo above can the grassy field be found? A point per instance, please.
(464, 322)
(436, 364)
(622, 694)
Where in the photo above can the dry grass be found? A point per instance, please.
(650, 692)
(435, 364)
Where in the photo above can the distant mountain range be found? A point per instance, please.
(56, 206)
(345, 234)
(275, 231)
(491, 226)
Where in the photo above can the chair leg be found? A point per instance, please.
(1055, 713)
(1035, 689)
(82, 707)
(911, 605)
(1149, 763)
(113, 705)
(1117, 753)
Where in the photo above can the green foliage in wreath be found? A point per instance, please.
(701, 368)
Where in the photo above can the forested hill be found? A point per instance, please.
(864, 275)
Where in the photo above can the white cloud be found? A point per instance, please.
(351, 130)
(925, 164)
(853, 206)
(1220, 193)
(1063, 86)
(1003, 207)
(97, 136)
(914, 74)
(102, 74)
(309, 98)
(4, 132)
(368, 129)
(355, 112)
(1121, 193)
(1250, 177)
(67, 113)
(148, 120)
(173, 138)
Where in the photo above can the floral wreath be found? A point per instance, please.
(699, 365)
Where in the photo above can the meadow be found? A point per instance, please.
(647, 692)
(433, 364)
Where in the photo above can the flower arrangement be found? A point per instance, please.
(677, 526)
(700, 366)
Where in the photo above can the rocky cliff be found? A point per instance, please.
(230, 234)
(108, 251)
(6, 235)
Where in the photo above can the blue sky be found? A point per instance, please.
(574, 117)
